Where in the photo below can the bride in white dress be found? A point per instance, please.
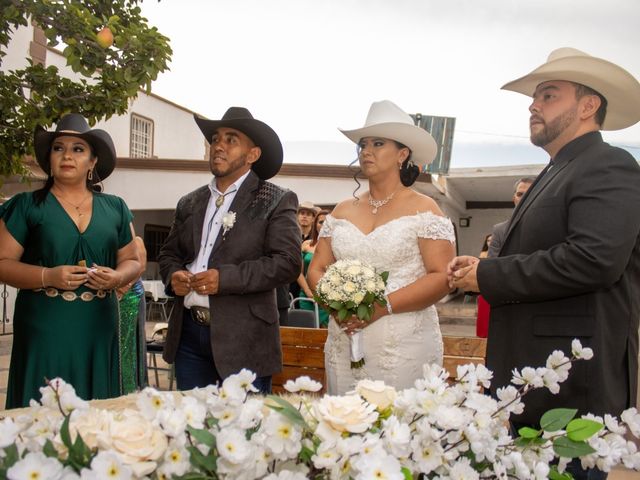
(394, 229)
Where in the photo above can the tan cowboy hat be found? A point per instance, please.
(308, 206)
(75, 125)
(614, 83)
(387, 120)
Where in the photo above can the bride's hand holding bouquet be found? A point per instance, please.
(350, 289)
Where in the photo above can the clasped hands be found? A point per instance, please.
(184, 282)
(70, 277)
(462, 273)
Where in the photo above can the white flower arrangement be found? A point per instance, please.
(352, 288)
(437, 429)
(228, 221)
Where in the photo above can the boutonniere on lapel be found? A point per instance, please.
(228, 221)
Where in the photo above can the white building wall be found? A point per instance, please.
(18, 49)
(481, 223)
(175, 135)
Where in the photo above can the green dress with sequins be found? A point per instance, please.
(76, 340)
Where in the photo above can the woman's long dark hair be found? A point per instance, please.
(315, 232)
(94, 185)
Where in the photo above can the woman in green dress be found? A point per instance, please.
(67, 247)
(308, 249)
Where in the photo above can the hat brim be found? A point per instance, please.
(100, 141)
(423, 147)
(614, 83)
(262, 135)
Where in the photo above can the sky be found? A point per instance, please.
(306, 67)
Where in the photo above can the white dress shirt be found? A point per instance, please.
(210, 231)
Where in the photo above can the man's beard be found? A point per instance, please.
(233, 166)
(554, 128)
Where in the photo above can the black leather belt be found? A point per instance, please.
(201, 315)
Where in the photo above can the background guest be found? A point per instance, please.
(306, 215)
(484, 252)
(308, 249)
(67, 247)
(500, 229)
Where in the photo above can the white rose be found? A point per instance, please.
(371, 286)
(376, 393)
(358, 297)
(354, 270)
(348, 413)
(349, 287)
(138, 442)
(92, 425)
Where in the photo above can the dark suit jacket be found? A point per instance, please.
(570, 268)
(260, 252)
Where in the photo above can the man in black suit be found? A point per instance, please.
(231, 244)
(570, 263)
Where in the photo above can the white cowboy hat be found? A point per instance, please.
(614, 83)
(387, 120)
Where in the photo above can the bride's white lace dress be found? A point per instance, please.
(396, 346)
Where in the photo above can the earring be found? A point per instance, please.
(90, 176)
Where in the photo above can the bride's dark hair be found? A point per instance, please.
(408, 171)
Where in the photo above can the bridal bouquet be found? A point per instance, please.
(348, 288)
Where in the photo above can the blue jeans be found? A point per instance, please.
(194, 362)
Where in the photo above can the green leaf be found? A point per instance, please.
(581, 429)
(385, 276)
(555, 475)
(557, 419)
(64, 434)
(363, 312)
(11, 455)
(343, 314)
(350, 305)
(335, 305)
(565, 447)
(407, 473)
(49, 450)
(529, 442)
(197, 459)
(203, 436)
(528, 432)
(289, 411)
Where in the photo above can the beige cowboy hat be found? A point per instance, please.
(614, 83)
(386, 120)
(308, 206)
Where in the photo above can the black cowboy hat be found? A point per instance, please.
(259, 132)
(75, 125)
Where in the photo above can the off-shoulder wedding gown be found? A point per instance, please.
(396, 346)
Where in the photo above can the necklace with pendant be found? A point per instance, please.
(77, 207)
(376, 204)
(220, 200)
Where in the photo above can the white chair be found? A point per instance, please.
(302, 318)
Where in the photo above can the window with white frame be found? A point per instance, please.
(141, 137)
